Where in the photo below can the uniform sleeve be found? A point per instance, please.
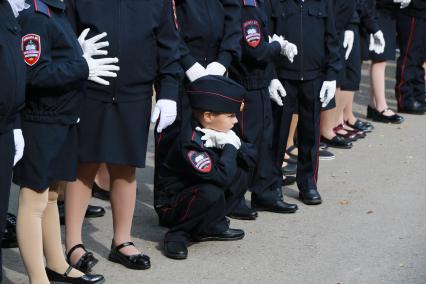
(44, 72)
(255, 47)
(200, 164)
(367, 14)
(71, 14)
(230, 46)
(332, 45)
(168, 55)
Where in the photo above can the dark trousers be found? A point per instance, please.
(304, 94)
(256, 127)
(7, 152)
(410, 82)
(201, 209)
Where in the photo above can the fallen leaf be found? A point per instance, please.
(369, 211)
(344, 202)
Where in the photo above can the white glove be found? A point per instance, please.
(166, 111)
(327, 92)
(403, 3)
(215, 68)
(348, 42)
(276, 91)
(103, 67)
(216, 139)
(19, 145)
(18, 6)
(195, 72)
(91, 46)
(288, 49)
(377, 42)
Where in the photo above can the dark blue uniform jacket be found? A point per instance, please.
(210, 31)
(56, 69)
(143, 35)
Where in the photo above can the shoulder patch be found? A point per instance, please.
(201, 161)
(41, 7)
(250, 3)
(31, 48)
(251, 31)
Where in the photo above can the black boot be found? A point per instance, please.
(9, 237)
(91, 212)
(310, 197)
(243, 212)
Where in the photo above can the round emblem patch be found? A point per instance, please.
(31, 48)
(201, 161)
(252, 33)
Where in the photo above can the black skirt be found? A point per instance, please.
(387, 23)
(114, 133)
(50, 155)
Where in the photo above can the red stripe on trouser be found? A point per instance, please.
(410, 39)
(188, 209)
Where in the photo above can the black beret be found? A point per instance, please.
(216, 94)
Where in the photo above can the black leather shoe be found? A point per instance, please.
(99, 192)
(289, 169)
(228, 235)
(94, 211)
(9, 237)
(289, 180)
(243, 212)
(175, 250)
(361, 125)
(337, 142)
(137, 261)
(413, 108)
(277, 206)
(85, 262)
(375, 115)
(310, 197)
(64, 278)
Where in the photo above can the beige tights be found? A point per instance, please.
(38, 231)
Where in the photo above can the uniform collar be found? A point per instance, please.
(55, 4)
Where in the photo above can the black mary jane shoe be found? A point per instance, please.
(379, 116)
(138, 261)
(86, 261)
(64, 278)
(337, 142)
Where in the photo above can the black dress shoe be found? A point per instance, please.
(94, 211)
(380, 117)
(228, 235)
(289, 180)
(85, 262)
(138, 261)
(99, 192)
(413, 108)
(310, 197)
(243, 212)
(64, 278)
(9, 237)
(361, 125)
(337, 142)
(175, 250)
(277, 206)
(289, 169)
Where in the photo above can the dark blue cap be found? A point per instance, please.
(216, 94)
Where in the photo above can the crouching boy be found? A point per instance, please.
(207, 169)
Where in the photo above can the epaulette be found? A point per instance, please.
(250, 3)
(41, 7)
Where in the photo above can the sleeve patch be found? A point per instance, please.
(31, 48)
(201, 161)
(252, 33)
